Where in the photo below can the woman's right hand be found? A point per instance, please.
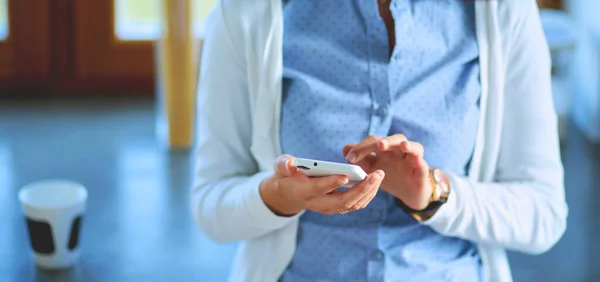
(289, 191)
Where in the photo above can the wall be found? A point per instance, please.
(585, 72)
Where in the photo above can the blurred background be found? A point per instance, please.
(102, 92)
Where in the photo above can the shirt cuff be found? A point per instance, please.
(257, 208)
(447, 213)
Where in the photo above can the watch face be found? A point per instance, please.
(438, 193)
(436, 176)
(444, 187)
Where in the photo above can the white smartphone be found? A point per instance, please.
(316, 168)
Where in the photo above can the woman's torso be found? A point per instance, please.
(340, 85)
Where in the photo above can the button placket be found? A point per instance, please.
(376, 213)
(377, 255)
(382, 111)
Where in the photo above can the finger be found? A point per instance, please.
(360, 151)
(284, 166)
(347, 149)
(421, 169)
(350, 198)
(364, 202)
(367, 164)
(399, 141)
(412, 148)
(319, 186)
(345, 200)
(391, 142)
(306, 188)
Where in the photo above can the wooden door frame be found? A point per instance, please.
(25, 54)
(99, 53)
(50, 52)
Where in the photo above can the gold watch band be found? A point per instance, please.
(439, 195)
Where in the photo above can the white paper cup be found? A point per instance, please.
(53, 211)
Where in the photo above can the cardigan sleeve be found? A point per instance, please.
(225, 200)
(524, 208)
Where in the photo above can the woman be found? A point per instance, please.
(446, 104)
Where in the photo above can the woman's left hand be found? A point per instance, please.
(406, 172)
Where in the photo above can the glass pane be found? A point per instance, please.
(140, 19)
(3, 19)
(201, 10)
(137, 19)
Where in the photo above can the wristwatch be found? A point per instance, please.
(439, 196)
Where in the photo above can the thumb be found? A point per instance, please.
(284, 166)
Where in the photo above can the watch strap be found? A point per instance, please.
(439, 196)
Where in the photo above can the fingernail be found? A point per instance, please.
(286, 163)
(406, 146)
(374, 178)
(281, 158)
(351, 157)
(385, 143)
(381, 173)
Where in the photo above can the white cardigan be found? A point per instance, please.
(514, 195)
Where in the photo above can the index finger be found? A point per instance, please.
(363, 149)
(347, 149)
(366, 163)
(308, 187)
(346, 200)
(392, 142)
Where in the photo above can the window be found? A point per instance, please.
(201, 10)
(3, 19)
(78, 54)
(137, 19)
(140, 19)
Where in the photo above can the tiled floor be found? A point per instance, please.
(138, 228)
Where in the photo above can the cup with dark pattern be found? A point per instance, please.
(53, 212)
